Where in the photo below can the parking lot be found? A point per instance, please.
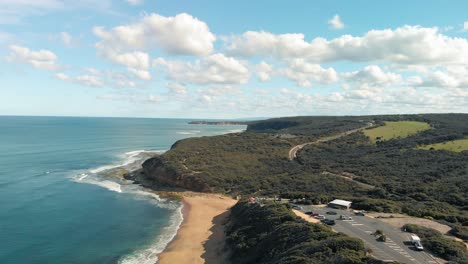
(395, 248)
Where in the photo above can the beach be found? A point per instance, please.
(200, 238)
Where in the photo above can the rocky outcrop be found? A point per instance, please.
(155, 174)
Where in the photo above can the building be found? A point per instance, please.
(340, 204)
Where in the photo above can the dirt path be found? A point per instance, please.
(293, 151)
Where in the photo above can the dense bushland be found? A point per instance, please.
(271, 233)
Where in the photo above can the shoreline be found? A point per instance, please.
(200, 237)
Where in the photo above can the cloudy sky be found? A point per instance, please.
(232, 59)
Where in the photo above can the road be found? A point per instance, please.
(293, 151)
(362, 227)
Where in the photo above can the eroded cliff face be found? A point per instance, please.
(156, 174)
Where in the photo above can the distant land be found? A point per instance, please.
(218, 123)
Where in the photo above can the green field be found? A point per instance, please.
(455, 145)
(399, 129)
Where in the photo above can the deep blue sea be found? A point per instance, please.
(58, 203)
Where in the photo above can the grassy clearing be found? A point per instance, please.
(458, 145)
(399, 129)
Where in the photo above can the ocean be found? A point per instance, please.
(59, 202)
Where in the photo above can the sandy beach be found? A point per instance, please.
(200, 238)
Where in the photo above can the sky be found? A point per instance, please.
(232, 59)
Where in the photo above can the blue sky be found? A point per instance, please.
(231, 59)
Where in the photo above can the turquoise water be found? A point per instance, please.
(57, 207)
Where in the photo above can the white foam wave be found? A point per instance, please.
(150, 254)
(189, 132)
(82, 176)
(128, 158)
(235, 131)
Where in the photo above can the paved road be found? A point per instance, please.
(293, 151)
(394, 249)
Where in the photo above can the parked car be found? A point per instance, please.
(297, 207)
(418, 246)
(320, 217)
(360, 213)
(314, 214)
(332, 213)
(345, 217)
(328, 221)
(309, 213)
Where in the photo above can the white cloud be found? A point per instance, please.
(66, 39)
(212, 69)
(142, 74)
(62, 76)
(304, 73)
(154, 99)
(264, 71)
(182, 34)
(336, 22)
(373, 75)
(403, 45)
(449, 77)
(41, 59)
(177, 88)
(89, 80)
(135, 2)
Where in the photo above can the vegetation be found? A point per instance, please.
(398, 129)
(273, 234)
(454, 145)
(406, 179)
(460, 232)
(439, 245)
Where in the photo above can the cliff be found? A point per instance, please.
(156, 174)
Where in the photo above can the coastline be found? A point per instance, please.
(200, 238)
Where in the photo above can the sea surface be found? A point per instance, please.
(60, 201)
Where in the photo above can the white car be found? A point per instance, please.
(418, 246)
(319, 217)
(345, 217)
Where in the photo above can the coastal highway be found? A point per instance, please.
(293, 151)
(362, 227)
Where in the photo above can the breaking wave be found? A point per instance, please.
(110, 178)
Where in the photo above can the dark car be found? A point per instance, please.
(331, 213)
(329, 221)
(360, 213)
(309, 212)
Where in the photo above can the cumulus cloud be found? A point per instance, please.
(182, 34)
(177, 88)
(264, 71)
(62, 76)
(304, 73)
(372, 75)
(212, 69)
(403, 45)
(41, 59)
(87, 80)
(449, 77)
(336, 22)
